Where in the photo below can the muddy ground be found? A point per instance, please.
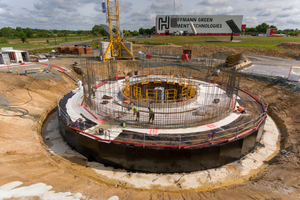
(24, 157)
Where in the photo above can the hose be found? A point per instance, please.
(16, 108)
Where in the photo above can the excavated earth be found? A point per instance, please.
(287, 50)
(25, 158)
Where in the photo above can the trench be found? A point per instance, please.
(53, 140)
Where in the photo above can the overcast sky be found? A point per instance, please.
(84, 14)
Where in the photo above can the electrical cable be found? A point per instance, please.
(16, 108)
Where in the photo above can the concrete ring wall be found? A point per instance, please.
(160, 160)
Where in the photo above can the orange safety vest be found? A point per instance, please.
(240, 109)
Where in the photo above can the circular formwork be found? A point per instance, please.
(179, 140)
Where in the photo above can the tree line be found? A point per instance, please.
(24, 33)
(262, 28)
(98, 31)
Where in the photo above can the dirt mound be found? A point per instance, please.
(290, 45)
(198, 50)
(222, 55)
(55, 76)
(157, 49)
(292, 86)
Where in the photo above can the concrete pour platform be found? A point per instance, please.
(75, 108)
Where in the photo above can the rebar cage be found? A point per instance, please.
(180, 94)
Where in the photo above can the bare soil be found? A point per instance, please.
(290, 45)
(24, 157)
(290, 50)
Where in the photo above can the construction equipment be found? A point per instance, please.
(115, 46)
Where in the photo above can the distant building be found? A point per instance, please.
(203, 25)
(8, 54)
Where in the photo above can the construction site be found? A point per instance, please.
(132, 121)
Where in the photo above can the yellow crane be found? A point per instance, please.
(115, 46)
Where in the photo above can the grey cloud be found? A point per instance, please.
(293, 21)
(26, 9)
(13, 20)
(208, 10)
(3, 5)
(214, 2)
(265, 13)
(288, 8)
(161, 7)
(142, 16)
(283, 15)
(124, 6)
(66, 5)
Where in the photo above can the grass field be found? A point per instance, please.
(250, 42)
(42, 42)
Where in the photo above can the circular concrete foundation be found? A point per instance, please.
(180, 140)
(234, 172)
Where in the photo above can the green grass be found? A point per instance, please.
(42, 42)
(249, 42)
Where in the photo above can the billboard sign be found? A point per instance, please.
(202, 23)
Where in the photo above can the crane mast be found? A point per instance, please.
(115, 46)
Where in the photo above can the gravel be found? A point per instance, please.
(3, 101)
(283, 82)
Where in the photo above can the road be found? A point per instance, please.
(268, 65)
(79, 42)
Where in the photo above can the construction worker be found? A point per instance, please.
(93, 92)
(240, 109)
(210, 136)
(137, 112)
(151, 115)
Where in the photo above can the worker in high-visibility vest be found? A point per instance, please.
(240, 109)
(137, 113)
(151, 115)
(93, 92)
